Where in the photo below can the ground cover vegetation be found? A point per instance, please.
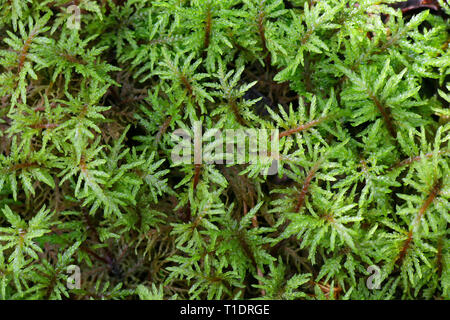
(90, 92)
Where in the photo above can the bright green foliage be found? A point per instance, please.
(357, 92)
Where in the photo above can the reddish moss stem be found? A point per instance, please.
(208, 27)
(262, 36)
(44, 126)
(236, 113)
(197, 175)
(25, 49)
(414, 159)
(21, 166)
(439, 257)
(186, 84)
(302, 127)
(306, 184)
(385, 114)
(163, 128)
(416, 222)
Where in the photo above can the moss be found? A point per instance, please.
(350, 98)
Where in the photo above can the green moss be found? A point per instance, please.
(357, 90)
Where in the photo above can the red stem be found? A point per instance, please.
(208, 26)
(262, 35)
(385, 113)
(304, 191)
(302, 127)
(416, 221)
